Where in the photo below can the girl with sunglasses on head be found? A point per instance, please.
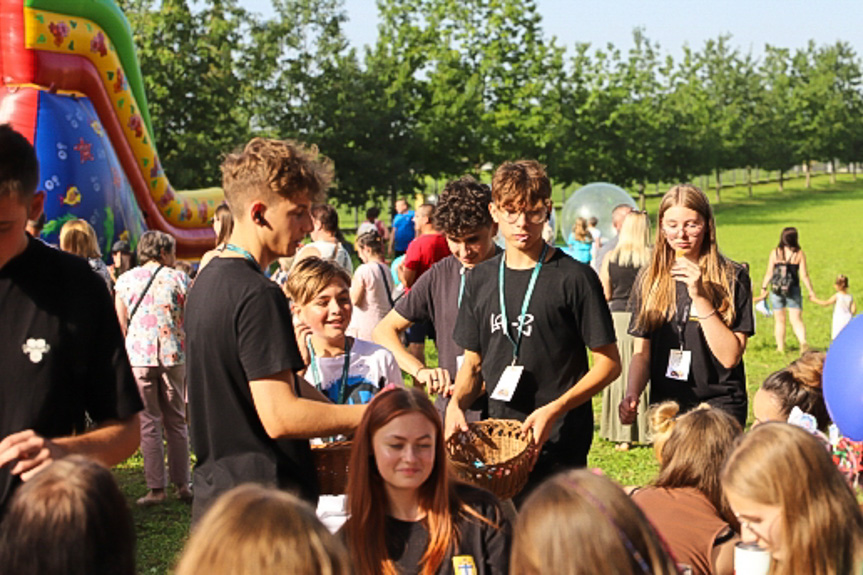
(407, 515)
(692, 314)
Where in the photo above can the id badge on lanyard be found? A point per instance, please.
(680, 360)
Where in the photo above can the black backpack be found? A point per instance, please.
(782, 279)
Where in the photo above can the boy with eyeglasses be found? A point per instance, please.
(527, 317)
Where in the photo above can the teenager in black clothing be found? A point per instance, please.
(62, 354)
(692, 314)
(251, 417)
(407, 515)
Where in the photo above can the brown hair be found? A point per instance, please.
(579, 231)
(799, 385)
(371, 240)
(367, 500)
(578, 523)
(19, 168)
(255, 530)
(691, 449)
(463, 207)
(78, 237)
(656, 287)
(267, 169)
(520, 185)
(70, 519)
(327, 216)
(841, 281)
(312, 275)
(778, 464)
(153, 244)
(226, 223)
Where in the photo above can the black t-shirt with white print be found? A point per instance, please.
(567, 314)
(709, 381)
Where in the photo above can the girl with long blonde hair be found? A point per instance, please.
(692, 314)
(792, 500)
(78, 237)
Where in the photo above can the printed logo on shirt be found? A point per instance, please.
(36, 349)
(464, 565)
(497, 324)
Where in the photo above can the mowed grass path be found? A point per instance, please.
(831, 234)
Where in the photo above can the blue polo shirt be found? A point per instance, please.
(403, 230)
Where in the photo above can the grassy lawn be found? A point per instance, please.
(748, 229)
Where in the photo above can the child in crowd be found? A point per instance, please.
(372, 286)
(580, 242)
(372, 223)
(798, 385)
(255, 530)
(792, 500)
(844, 308)
(462, 216)
(70, 519)
(579, 523)
(78, 237)
(223, 225)
(596, 239)
(407, 514)
(347, 370)
(685, 502)
(525, 322)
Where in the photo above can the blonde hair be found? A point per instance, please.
(269, 169)
(312, 275)
(579, 523)
(633, 243)
(254, 530)
(78, 237)
(656, 287)
(520, 185)
(691, 449)
(579, 231)
(778, 464)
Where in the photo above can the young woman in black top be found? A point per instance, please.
(407, 515)
(692, 314)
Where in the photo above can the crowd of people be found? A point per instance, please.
(271, 366)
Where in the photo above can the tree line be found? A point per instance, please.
(453, 86)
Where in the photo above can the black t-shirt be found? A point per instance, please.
(708, 380)
(238, 329)
(486, 545)
(62, 353)
(567, 313)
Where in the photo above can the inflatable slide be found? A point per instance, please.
(71, 83)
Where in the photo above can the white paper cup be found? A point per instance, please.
(750, 559)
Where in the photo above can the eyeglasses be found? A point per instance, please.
(691, 228)
(531, 216)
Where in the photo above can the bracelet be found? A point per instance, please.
(702, 318)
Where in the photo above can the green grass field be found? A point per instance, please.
(748, 229)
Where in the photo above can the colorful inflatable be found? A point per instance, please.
(71, 83)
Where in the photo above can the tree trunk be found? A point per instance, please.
(781, 180)
(642, 198)
(734, 177)
(749, 179)
(832, 171)
(757, 175)
(718, 186)
(854, 170)
(703, 186)
(808, 169)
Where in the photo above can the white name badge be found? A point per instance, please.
(679, 361)
(508, 383)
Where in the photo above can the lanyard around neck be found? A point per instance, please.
(516, 344)
(243, 252)
(318, 375)
(461, 286)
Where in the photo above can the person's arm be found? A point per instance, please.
(826, 302)
(606, 367)
(722, 556)
(804, 275)
(110, 443)
(853, 307)
(468, 388)
(605, 279)
(639, 373)
(122, 314)
(284, 415)
(386, 333)
(358, 289)
(390, 251)
(409, 276)
(768, 275)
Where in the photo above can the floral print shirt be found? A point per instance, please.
(155, 335)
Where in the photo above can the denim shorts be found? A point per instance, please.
(794, 299)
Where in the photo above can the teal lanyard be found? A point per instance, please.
(242, 252)
(461, 287)
(316, 368)
(516, 344)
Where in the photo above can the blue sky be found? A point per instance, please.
(752, 23)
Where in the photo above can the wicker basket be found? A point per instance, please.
(331, 462)
(493, 455)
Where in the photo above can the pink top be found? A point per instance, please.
(375, 304)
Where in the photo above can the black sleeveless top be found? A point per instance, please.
(622, 279)
(793, 269)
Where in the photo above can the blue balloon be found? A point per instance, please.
(843, 380)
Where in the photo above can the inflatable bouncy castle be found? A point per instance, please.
(71, 83)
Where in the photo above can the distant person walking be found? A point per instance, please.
(618, 214)
(403, 229)
(372, 287)
(150, 306)
(372, 223)
(619, 271)
(786, 268)
(843, 304)
(580, 241)
(326, 241)
(78, 237)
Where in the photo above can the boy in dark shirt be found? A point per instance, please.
(462, 216)
(527, 316)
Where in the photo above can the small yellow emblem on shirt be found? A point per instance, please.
(464, 565)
